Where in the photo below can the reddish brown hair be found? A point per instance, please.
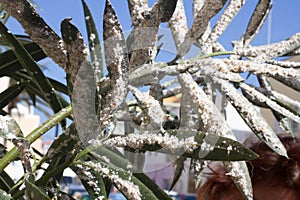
(273, 176)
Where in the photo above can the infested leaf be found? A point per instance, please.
(116, 58)
(257, 19)
(189, 144)
(270, 103)
(178, 24)
(229, 13)
(93, 182)
(94, 43)
(9, 128)
(253, 118)
(125, 182)
(138, 11)
(154, 114)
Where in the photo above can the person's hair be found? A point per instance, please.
(272, 175)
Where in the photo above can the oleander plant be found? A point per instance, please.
(119, 83)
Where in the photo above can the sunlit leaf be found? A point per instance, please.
(94, 43)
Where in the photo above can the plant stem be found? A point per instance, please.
(35, 134)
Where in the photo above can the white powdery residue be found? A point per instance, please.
(239, 173)
(92, 36)
(211, 117)
(229, 149)
(272, 104)
(230, 12)
(205, 147)
(130, 190)
(166, 141)
(252, 117)
(239, 66)
(189, 144)
(270, 51)
(4, 120)
(129, 166)
(100, 198)
(106, 159)
(178, 24)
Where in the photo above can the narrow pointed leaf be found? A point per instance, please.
(94, 42)
(236, 171)
(125, 182)
(258, 18)
(253, 118)
(35, 26)
(33, 191)
(189, 144)
(116, 61)
(198, 166)
(33, 69)
(178, 24)
(230, 12)
(93, 183)
(11, 93)
(119, 161)
(76, 50)
(178, 171)
(269, 51)
(9, 62)
(6, 182)
(271, 104)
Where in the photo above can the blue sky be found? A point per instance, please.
(285, 22)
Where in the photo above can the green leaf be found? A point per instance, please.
(11, 93)
(33, 69)
(32, 88)
(9, 63)
(6, 182)
(33, 191)
(60, 154)
(178, 171)
(94, 43)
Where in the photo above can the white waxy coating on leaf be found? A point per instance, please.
(252, 117)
